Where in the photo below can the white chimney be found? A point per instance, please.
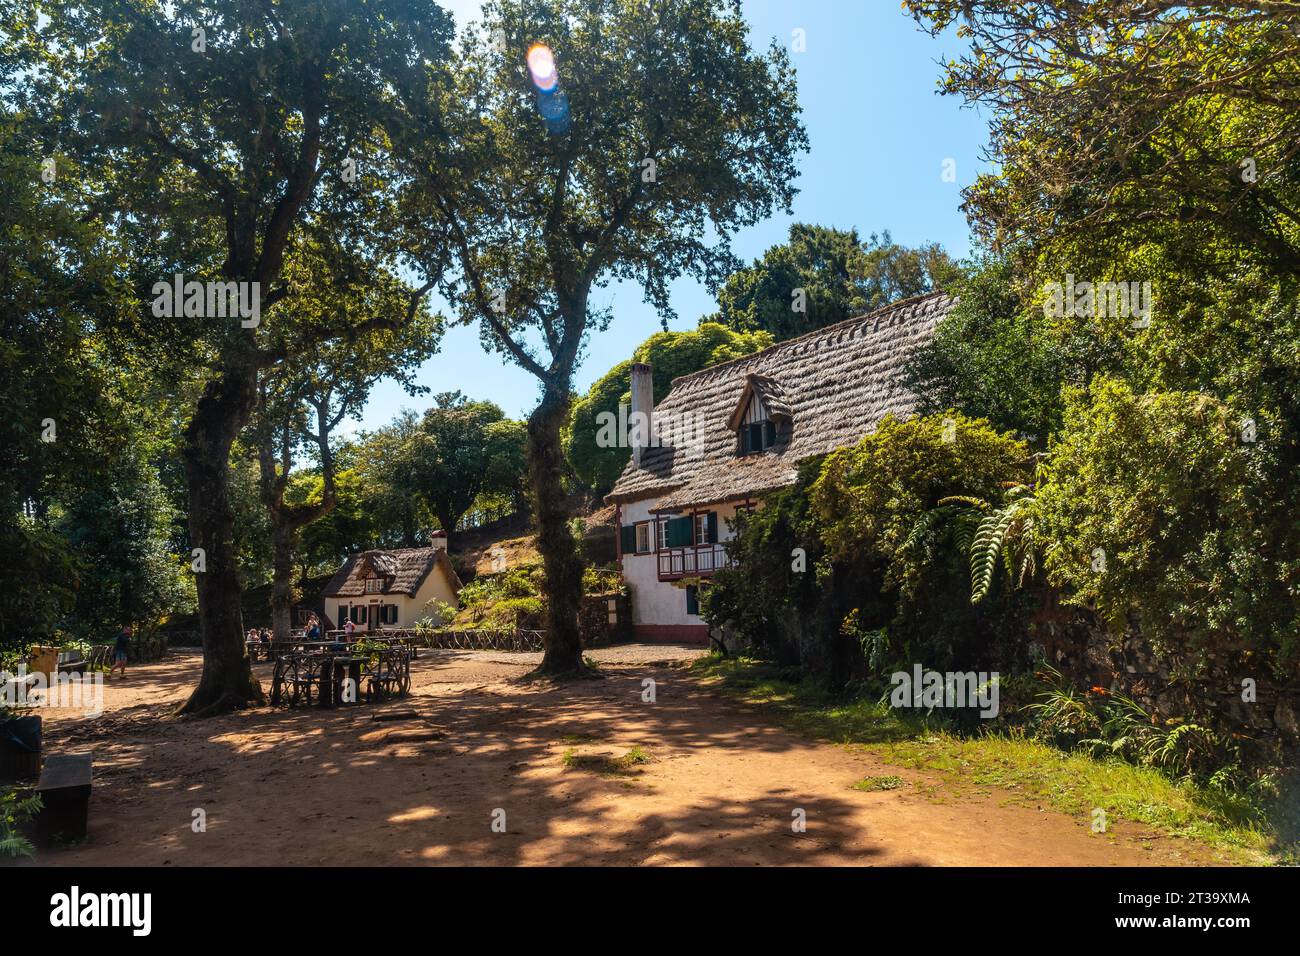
(641, 423)
(438, 539)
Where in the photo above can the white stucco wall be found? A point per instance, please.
(655, 601)
(436, 586)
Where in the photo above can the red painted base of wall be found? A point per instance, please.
(672, 633)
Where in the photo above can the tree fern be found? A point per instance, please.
(987, 534)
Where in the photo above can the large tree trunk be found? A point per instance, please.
(282, 582)
(227, 682)
(554, 540)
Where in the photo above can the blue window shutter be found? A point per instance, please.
(627, 538)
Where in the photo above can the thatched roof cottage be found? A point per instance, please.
(392, 588)
(733, 432)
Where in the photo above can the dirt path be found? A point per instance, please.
(721, 785)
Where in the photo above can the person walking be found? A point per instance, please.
(120, 646)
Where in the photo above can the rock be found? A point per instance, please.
(1284, 715)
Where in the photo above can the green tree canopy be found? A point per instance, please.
(671, 354)
(215, 142)
(821, 276)
(591, 141)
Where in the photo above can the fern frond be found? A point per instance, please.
(989, 538)
(925, 526)
(968, 500)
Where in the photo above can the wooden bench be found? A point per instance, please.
(64, 789)
(20, 746)
(71, 662)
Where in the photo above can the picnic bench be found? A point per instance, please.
(64, 789)
(99, 656)
(71, 662)
(317, 675)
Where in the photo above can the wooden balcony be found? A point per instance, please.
(696, 561)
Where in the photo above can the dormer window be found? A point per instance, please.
(374, 585)
(757, 436)
(761, 408)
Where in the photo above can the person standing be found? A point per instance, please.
(120, 646)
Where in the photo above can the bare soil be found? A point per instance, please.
(585, 772)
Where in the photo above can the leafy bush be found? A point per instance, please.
(525, 580)
(864, 604)
(15, 811)
(1155, 512)
(991, 356)
(505, 614)
(773, 584)
(868, 497)
(1107, 724)
(989, 534)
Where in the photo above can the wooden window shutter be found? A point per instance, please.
(680, 532)
(713, 527)
(627, 539)
(692, 600)
(769, 434)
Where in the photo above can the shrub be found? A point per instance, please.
(1153, 511)
(16, 810)
(864, 604)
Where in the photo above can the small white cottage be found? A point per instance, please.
(393, 588)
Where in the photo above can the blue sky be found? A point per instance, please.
(879, 136)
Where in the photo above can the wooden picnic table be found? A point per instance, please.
(298, 672)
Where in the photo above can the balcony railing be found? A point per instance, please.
(703, 559)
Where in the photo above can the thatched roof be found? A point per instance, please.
(827, 389)
(403, 571)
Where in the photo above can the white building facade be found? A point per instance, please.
(752, 422)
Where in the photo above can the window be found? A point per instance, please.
(662, 524)
(757, 436)
(706, 528)
(343, 614)
(692, 600)
(358, 614)
(388, 614)
(374, 585)
(643, 545)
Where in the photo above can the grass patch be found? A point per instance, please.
(579, 738)
(1072, 783)
(873, 784)
(606, 766)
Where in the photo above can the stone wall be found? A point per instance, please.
(593, 619)
(1207, 688)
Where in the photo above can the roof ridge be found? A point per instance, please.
(807, 336)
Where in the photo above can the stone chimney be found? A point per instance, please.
(438, 539)
(641, 422)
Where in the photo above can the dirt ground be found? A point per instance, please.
(720, 784)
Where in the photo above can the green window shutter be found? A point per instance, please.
(713, 527)
(692, 600)
(678, 533)
(627, 539)
(769, 434)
